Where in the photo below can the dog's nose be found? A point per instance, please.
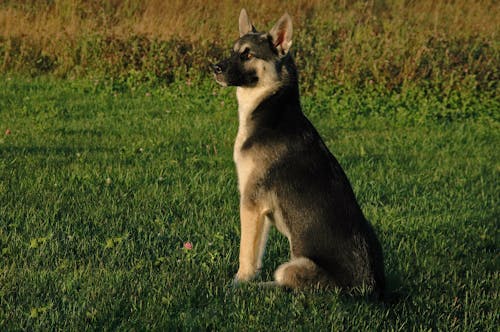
(217, 69)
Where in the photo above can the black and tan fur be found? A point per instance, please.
(287, 176)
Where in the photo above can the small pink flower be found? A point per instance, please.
(8, 132)
(188, 245)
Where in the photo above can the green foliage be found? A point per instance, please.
(102, 182)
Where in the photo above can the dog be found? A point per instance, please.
(288, 178)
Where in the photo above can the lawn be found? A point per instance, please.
(101, 186)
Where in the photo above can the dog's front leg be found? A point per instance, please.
(254, 230)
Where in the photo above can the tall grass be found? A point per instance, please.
(388, 43)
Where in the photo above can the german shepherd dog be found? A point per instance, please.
(288, 178)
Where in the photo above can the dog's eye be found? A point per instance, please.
(246, 55)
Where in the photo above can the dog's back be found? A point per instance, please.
(288, 177)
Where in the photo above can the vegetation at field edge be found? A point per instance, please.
(444, 45)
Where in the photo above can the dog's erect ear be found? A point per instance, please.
(282, 34)
(245, 24)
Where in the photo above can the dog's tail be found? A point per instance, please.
(301, 272)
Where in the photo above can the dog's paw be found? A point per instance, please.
(244, 275)
(236, 282)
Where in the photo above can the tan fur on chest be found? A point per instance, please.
(246, 162)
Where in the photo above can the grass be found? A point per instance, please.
(107, 173)
(102, 184)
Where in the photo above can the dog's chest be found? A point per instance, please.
(244, 161)
(248, 100)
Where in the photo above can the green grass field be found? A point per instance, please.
(101, 185)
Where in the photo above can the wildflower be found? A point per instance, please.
(188, 245)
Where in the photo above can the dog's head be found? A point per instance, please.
(256, 56)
